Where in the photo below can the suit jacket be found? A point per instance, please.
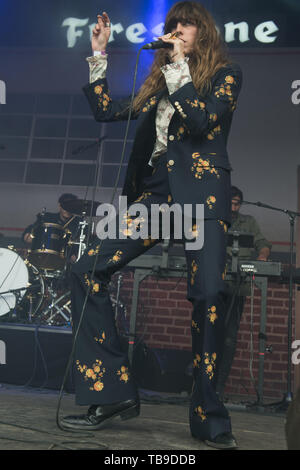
(198, 164)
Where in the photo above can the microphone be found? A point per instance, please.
(161, 44)
(157, 45)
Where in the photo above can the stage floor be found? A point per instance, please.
(28, 422)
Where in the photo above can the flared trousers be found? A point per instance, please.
(102, 370)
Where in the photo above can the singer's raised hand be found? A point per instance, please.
(177, 53)
(101, 32)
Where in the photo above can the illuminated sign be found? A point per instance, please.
(137, 33)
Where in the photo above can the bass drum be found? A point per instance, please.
(21, 286)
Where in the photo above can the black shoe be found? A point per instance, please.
(222, 441)
(98, 415)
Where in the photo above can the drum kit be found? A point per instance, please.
(34, 286)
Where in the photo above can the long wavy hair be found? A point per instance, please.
(208, 56)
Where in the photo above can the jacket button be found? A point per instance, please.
(171, 137)
(176, 103)
(171, 162)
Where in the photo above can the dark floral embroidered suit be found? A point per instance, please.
(198, 164)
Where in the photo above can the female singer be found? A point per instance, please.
(184, 111)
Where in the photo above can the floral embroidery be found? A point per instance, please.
(200, 412)
(93, 252)
(132, 224)
(210, 201)
(103, 99)
(210, 363)
(196, 103)
(151, 102)
(224, 225)
(124, 374)
(195, 326)
(181, 132)
(116, 257)
(196, 361)
(212, 315)
(101, 339)
(200, 166)
(94, 285)
(193, 272)
(194, 231)
(94, 373)
(225, 90)
(213, 117)
(98, 90)
(214, 132)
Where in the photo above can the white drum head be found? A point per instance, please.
(13, 275)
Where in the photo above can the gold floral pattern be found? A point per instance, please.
(181, 131)
(210, 363)
(130, 223)
(212, 315)
(94, 374)
(199, 411)
(95, 286)
(124, 374)
(224, 225)
(214, 132)
(201, 166)
(210, 201)
(194, 269)
(93, 252)
(196, 361)
(116, 257)
(103, 98)
(224, 90)
(195, 326)
(101, 339)
(196, 103)
(148, 105)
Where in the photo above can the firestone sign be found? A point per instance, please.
(137, 33)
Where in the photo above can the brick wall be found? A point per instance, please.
(164, 317)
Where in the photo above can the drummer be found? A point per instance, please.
(62, 217)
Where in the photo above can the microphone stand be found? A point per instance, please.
(287, 398)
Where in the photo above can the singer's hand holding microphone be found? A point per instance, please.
(170, 41)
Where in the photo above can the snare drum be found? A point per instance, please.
(49, 245)
(21, 285)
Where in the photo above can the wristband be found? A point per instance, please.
(99, 53)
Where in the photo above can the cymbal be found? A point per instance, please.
(81, 206)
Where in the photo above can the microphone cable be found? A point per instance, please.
(130, 109)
